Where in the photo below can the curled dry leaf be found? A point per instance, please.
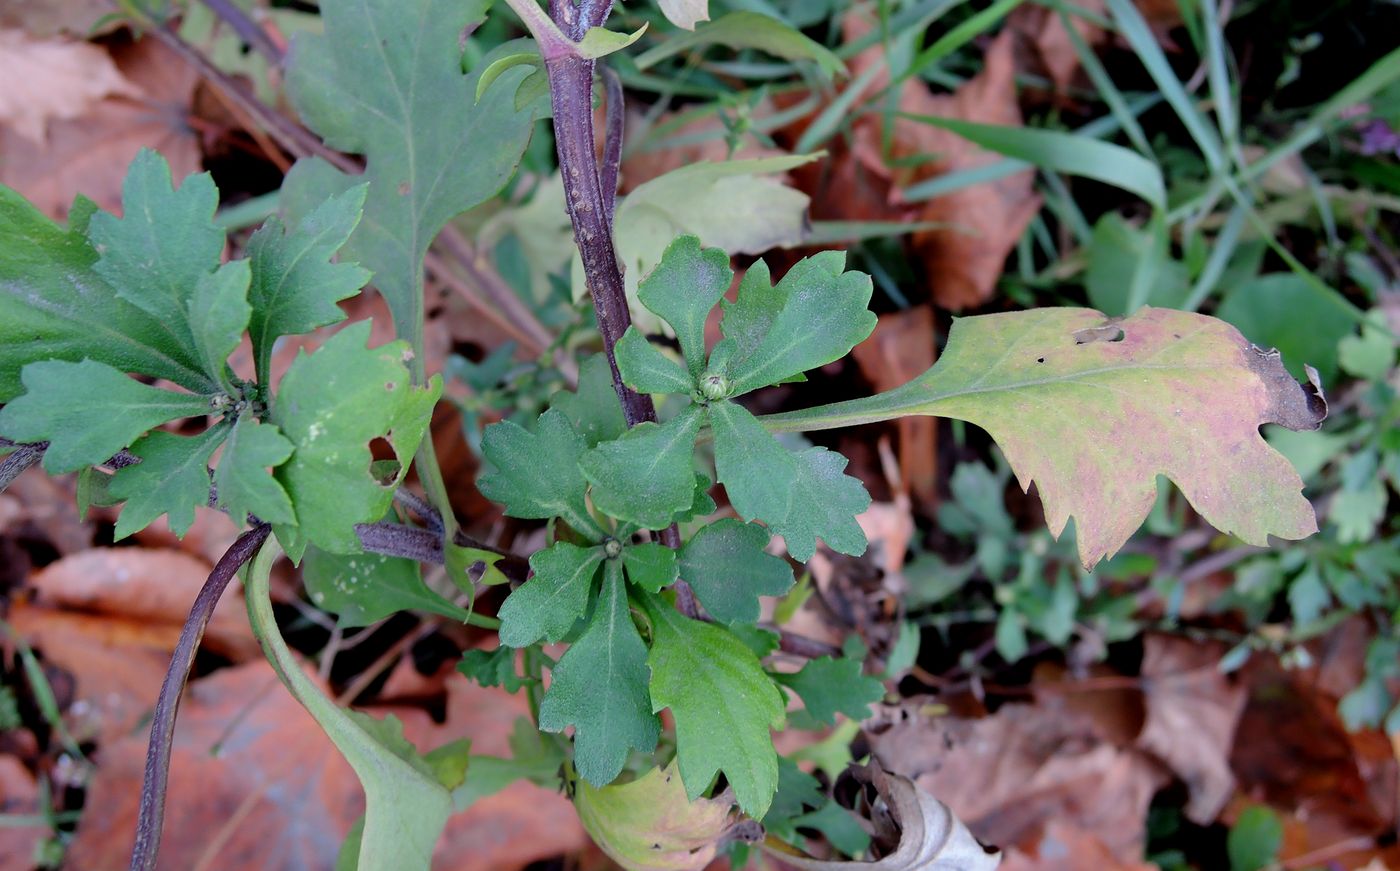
(928, 836)
(649, 825)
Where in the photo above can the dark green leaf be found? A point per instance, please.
(535, 475)
(797, 791)
(593, 408)
(165, 241)
(172, 478)
(385, 81)
(53, 306)
(723, 702)
(295, 287)
(1283, 311)
(331, 405)
(757, 472)
(1255, 839)
(244, 484)
(682, 289)
(651, 566)
(551, 602)
(646, 369)
(648, 475)
(839, 827)
(88, 411)
(493, 668)
(823, 315)
(725, 563)
(367, 587)
(219, 313)
(828, 686)
(600, 688)
(825, 503)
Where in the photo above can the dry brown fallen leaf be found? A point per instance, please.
(149, 586)
(1065, 847)
(901, 348)
(51, 17)
(1007, 776)
(52, 80)
(1043, 45)
(1192, 712)
(88, 154)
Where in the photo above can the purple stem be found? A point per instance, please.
(152, 812)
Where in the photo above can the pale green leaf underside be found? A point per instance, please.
(364, 588)
(1093, 422)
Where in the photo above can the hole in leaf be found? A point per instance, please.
(1040, 359)
(1109, 332)
(384, 467)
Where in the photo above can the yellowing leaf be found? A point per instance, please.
(1092, 411)
(649, 825)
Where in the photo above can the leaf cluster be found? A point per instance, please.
(116, 326)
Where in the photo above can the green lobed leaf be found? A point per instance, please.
(825, 503)
(593, 408)
(599, 687)
(385, 81)
(1160, 393)
(824, 313)
(757, 472)
(723, 703)
(493, 668)
(554, 598)
(681, 290)
(244, 484)
(331, 404)
(646, 369)
(365, 588)
(172, 478)
(219, 312)
(648, 475)
(294, 286)
(54, 306)
(88, 411)
(527, 484)
(829, 686)
(726, 565)
(651, 566)
(165, 241)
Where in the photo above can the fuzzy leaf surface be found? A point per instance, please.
(600, 688)
(757, 472)
(651, 566)
(294, 286)
(823, 313)
(521, 481)
(723, 702)
(554, 598)
(364, 588)
(385, 80)
(1093, 411)
(244, 484)
(219, 313)
(331, 405)
(645, 369)
(54, 306)
(493, 668)
(650, 824)
(593, 408)
(829, 686)
(682, 289)
(648, 475)
(172, 478)
(825, 503)
(88, 411)
(165, 241)
(725, 563)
